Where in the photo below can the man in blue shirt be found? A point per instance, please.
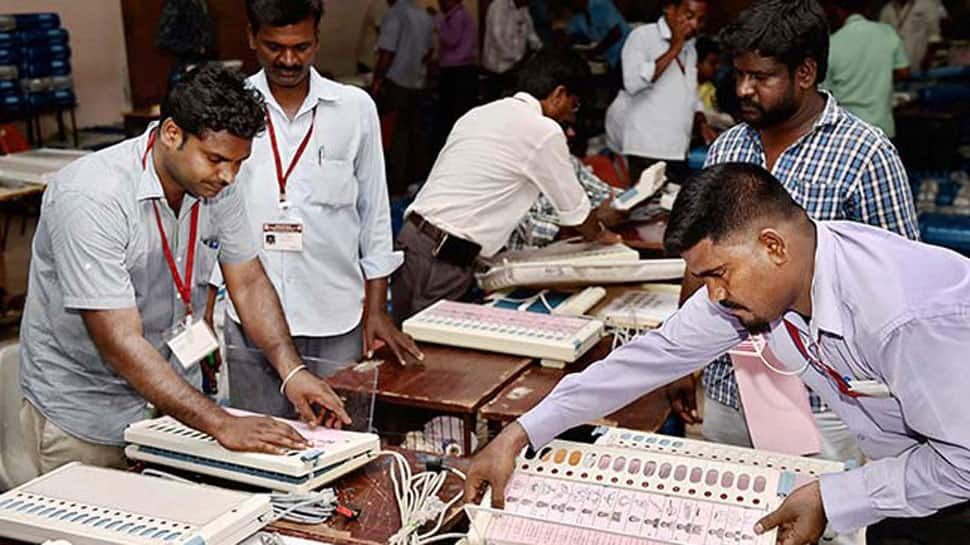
(599, 22)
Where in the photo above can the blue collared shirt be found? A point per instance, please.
(338, 190)
(884, 308)
(843, 169)
(596, 23)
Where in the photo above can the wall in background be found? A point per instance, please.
(98, 54)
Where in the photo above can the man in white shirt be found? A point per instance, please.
(509, 35)
(654, 114)
(317, 197)
(918, 24)
(495, 163)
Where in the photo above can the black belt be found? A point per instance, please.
(448, 247)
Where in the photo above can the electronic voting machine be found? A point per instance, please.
(166, 441)
(508, 331)
(641, 488)
(576, 494)
(574, 262)
(95, 506)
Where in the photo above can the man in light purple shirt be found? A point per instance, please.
(457, 57)
(852, 308)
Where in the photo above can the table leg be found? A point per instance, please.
(468, 429)
(74, 127)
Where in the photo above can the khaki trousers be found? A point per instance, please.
(50, 447)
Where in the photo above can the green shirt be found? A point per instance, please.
(862, 57)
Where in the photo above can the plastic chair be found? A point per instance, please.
(612, 171)
(12, 140)
(16, 466)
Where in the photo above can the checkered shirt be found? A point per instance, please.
(843, 169)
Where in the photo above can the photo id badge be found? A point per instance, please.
(190, 342)
(283, 236)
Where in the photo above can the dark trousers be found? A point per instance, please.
(949, 526)
(676, 170)
(407, 153)
(425, 279)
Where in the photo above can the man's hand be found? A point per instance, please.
(305, 390)
(380, 326)
(258, 434)
(682, 395)
(609, 216)
(800, 519)
(680, 33)
(493, 466)
(708, 134)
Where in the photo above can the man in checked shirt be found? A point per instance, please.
(833, 164)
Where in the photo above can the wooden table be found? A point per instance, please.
(454, 381)
(370, 490)
(646, 236)
(525, 392)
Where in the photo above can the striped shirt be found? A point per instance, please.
(842, 169)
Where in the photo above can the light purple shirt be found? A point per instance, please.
(457, 38)
(884, 308)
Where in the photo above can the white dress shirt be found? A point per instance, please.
(497, 160)
(649, 118)
(508, 34)
(338, 190)
(918, 24)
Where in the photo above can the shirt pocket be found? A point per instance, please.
(206, 259)
(822, 200)
(334, 184)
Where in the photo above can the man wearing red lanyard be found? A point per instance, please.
(875, 323)
(126, 241)
(317, 197)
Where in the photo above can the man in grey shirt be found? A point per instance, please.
(126, 241)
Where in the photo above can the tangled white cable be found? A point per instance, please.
(418, 502)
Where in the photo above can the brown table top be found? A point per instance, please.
(370, 490)
(525, 392)
(450, 379)
(12, 193)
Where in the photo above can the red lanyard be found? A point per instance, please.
(184, 286)
(839, 379)
(282, 177)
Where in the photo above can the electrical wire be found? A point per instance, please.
(418, 502)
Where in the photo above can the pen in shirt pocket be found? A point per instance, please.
(320, 156)
(211, 243)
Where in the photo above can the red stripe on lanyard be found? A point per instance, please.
(839, 380)
(184, 287)
(282, 177)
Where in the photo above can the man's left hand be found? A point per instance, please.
(380, 326)
(800, 519)
(305, 390)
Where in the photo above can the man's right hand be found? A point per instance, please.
(259, 434)
(493, 466)
(680, 32)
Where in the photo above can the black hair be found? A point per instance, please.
(788, 30)
(721, 200)
(552, 67)
(707, 45)
(282, 12)
(853, 6)
(214, 98)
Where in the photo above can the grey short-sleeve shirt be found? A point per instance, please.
(98, 247)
